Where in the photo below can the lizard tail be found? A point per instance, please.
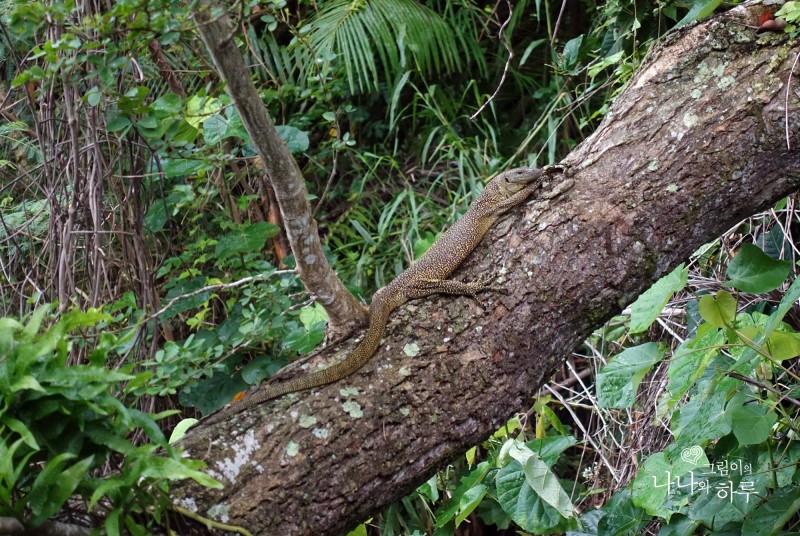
(382, 306)
(383, 303)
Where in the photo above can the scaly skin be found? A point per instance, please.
(425, 277)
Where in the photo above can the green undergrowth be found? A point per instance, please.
(70, 434)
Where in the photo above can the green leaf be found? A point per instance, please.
(572, 50)
(457, 501)
(35, 322)
(313, 314)
(700, 10)
(108, 485)
(649, 488)
(523, 504)
(541, 479)
(360, 530)
(180, 430)
(649, 305)
(248, 238)
(215, 129)
(171, 469)
(720, 311)
(180, 167)
(167, 104)
(782, 345)
(752, 270)
(622, 516)
(752, 424)
(26, 383)
(199, 108)
(469, 501)
(773, 513)
(619, 379)
(304, 340)
(296, 139)
(53, 487)
(20, 428)
(116, 122)
(93, 96)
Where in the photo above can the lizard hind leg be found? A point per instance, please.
(425, 287)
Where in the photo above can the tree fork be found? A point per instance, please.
(694, 144)
(345, 312)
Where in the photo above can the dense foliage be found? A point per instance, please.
(131, 200)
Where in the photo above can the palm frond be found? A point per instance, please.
(390, 35)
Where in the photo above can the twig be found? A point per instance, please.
(333, 170)
(558, 23)
(505, 67)
(232, 284)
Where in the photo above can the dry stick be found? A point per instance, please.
(332, 174)
(232, 284)
(505, 67)
(558, 23)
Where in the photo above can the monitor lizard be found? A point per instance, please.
(428, 275)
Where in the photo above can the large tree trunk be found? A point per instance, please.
(695, 143)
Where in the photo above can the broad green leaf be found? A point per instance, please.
(649, 487)
(180, 167)
(752, 270)
(93, 96)
(547, 486)
(304, 340)
(360, 530)
(313, 314)
(705, 417)
(156, 216)
(773, 513)
(752, 424)
(539, 476)
(782, 345)
(525, 506)
(649, 305)
(248, 238)
(700, 10)
(296, 139)
(199, 108)
(719, 311)
(619, 379)
(572, 49)
(689, 363)
(469, 501)
(622, 516)
(167, 104)
(470, 481)
(744, 362)
(116, 122)
(214, 129)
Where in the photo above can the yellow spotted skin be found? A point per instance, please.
(425, 277)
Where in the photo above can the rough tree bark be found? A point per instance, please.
(345, 312)
(695, 143)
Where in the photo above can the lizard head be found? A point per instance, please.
(512, 181)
